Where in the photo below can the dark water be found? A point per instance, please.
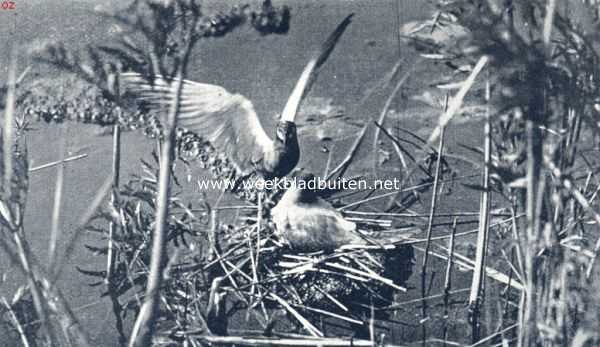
(264, 69)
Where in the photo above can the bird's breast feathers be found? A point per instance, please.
(313, 227)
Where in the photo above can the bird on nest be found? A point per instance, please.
(230, 123)
(309, 223)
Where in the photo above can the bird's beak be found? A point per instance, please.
(288, 117)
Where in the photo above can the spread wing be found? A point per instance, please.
(228, 121)
(310, 72)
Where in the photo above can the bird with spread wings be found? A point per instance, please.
(230, 123)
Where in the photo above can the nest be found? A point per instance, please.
(343, 283)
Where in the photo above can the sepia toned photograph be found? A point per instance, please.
(337, 173)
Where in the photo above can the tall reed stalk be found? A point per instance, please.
(143, 329)
(434, 199)
(477, 284)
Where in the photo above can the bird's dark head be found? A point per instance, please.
(304, 185)
(286, 132)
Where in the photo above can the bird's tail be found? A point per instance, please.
(311, 71)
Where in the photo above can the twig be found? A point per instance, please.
(457, 100)
(58, 162)
(386, 108)
(341, 169)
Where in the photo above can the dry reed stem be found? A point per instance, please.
(399, 305)
(271, 341)
(569, 186)
(53, 297)
(58, 162)
(448, 278)
(432, 209)
(330, 314)
(386, 108)
(548, 24)
(16, 322)
(457, 100)
(409, 189)
(66, 317)
(477, 283)
(519, 242)
(9, 122)
(305, 323)
(370, 275)
(113, 227)
(492, 336)
(143, 329)
(381, 84)
(469, 264)
(116, 167)
(333, 299)
(397, 147)
(433, 206)
(258, 229)
(421, 215)
(343, 166)
(17, 231)
(86, 217)
(329, 158)
(58, 192)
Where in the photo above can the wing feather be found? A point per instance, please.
(311, 70)
(228, 121)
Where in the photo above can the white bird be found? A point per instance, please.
(229, 122)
